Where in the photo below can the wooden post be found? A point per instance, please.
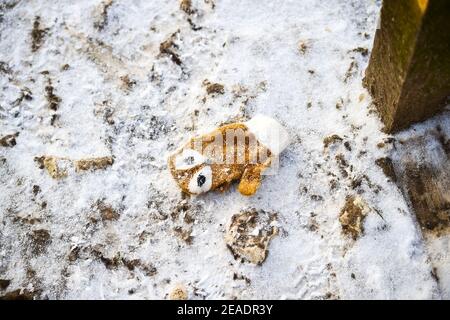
(408, 74)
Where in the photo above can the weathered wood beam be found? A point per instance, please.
(408, 74)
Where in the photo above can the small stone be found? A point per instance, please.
(93, 163)
(179, 292)
(249, 234)
(9, 140)
(55, 166)
(361, 97)
(302, 47)
(217, 88)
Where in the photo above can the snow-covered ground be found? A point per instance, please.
(92, 80)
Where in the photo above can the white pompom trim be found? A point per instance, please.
(193, 186)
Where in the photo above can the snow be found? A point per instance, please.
(252, 48)
(269, 132)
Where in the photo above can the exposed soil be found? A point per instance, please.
(429, 194)
(363, 51)
(184, 234)
(4, 284)
(37, 34)
(352, 216)
(127, 83)
(168, 47)
(117, 261)
(106, 211)
(19, 294)
(52, 99)
(186, 6)
(331, 140)
(212, 88)
(388, 167)
(351, 71)
(40, 239)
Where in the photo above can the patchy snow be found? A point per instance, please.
(122, 96)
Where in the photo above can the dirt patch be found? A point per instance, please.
(19, 294)
(213, 88)
(444, 141)
(102, 20)
(237, 276)
(193, 26)
(149, 270)
(27, 218)
(108, 214)
(343, 164)
(352, 216)
(25, 94)
(184, 234)
(4, 284)
(37, 34)
(93, 163)
(363, 51)
(186, 6)
(9, 140)
(388, 167)
(106, 211)
(40, 239)
(52, 99)
(5, 68)
(105, 111)
(429, 192)
(423, 172)
(127, 83)
(249, 233)
(351, 71)
(169, 48)
(347, 146)
(109, 262)
(117, 261)
(331, 140)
